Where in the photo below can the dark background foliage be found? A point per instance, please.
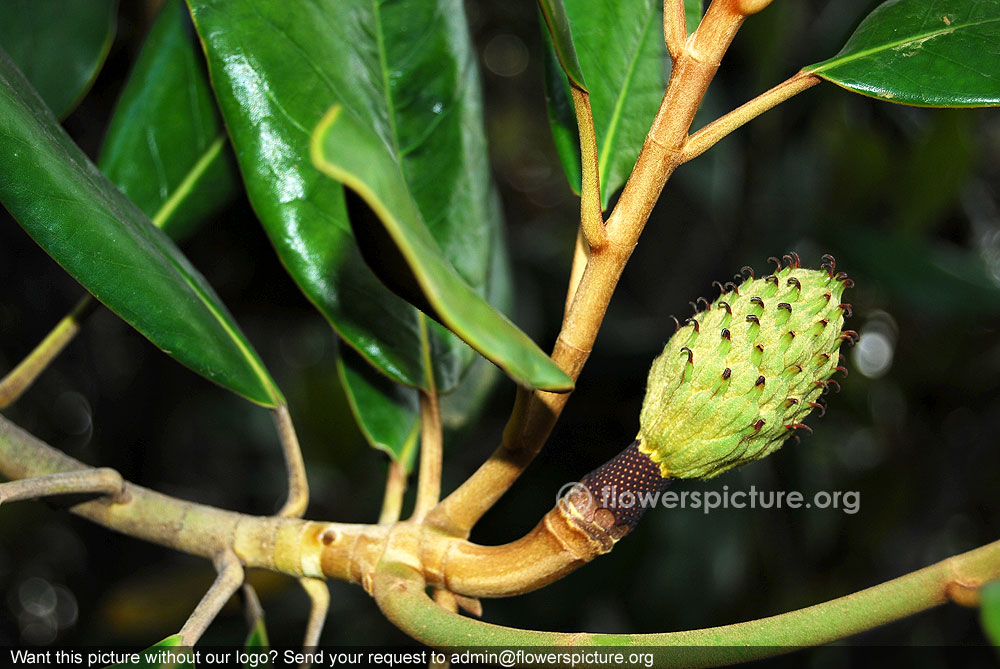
(907, 199)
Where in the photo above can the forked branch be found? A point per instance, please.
(319, 606)
(100, 481)
(395, 488)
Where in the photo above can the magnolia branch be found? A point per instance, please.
(308, 550)
(400, 593)
(535, 413)
(398, 562)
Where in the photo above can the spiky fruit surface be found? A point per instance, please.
(738, 379)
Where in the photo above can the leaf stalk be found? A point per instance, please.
(19, 379)
(295, 467)
(712, 133)
(431, 447)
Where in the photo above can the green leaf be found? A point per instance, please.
(166, 147)
(561, 40)
(461, 409)
(693, 11)
(626, 84)
(58, 45)
(353, 152)
(989, 611)
(276, 67)
(562, 115)
(161, 656)
(106, 243)
(387, 413)
(930, 53)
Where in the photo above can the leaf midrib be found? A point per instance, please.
(836, 62)
(168, 207)
(99, 183)
(262, 376)
(183, 189)
(383, 60)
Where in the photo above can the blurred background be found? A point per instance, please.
(907, 199)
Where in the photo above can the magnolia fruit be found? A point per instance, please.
(732, 384)
(740, 376)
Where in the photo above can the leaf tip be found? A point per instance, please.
(554, 380)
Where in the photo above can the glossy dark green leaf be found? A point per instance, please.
(167, 654)
(626, 84)
(58, 45)
(353, 150)
(930, 53)
(460, 409)
(561, 40)
(166, 147)
(106, 243)
(387, 412)
(989, 611)
(693, 11)
(276, 68)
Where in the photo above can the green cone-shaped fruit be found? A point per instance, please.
(737, 380)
